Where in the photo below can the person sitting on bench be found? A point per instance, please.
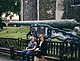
(29, 50)
(42, 45)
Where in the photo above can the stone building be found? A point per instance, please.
(51, 9)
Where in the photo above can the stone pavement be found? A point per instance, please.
(6, 57)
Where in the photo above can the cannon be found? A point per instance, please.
(67, 23)
(50, 32)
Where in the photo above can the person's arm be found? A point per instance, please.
(32, 48)
(27, 47)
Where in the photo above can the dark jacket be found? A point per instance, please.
(43, 48)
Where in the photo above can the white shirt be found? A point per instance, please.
(40, 43)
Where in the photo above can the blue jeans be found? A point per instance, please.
(27, 53)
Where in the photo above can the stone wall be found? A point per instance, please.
(73, 12)
(48, 10)
(30, 10)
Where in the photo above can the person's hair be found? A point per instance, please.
(32, 37)
(41, 35)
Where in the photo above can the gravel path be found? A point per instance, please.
(6, 57)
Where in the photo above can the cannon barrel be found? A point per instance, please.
(67, 23)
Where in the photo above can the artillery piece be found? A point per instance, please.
(46, 26)
(37, 29)
(67, 23)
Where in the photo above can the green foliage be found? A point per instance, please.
(56, 40)
(7, 6)
(10, 5)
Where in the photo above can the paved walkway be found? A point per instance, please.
(6, 57)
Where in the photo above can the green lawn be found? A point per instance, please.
(14, 32)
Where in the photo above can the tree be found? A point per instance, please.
(7, 6)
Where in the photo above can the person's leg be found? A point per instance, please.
(28, 54)
(23, 54)
(38, 54)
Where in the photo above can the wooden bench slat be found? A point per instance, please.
(52, 57)
(2, 48)
(17, 51)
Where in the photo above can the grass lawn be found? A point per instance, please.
(14, 32)
(55, 40)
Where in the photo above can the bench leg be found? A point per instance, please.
(11, 52)
(32, 58)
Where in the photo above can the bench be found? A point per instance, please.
(57, 51)
(6, 50)
(52, 58)
(48, 56)
(54, 51)
(15, 52)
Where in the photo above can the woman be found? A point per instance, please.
(42, 46)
